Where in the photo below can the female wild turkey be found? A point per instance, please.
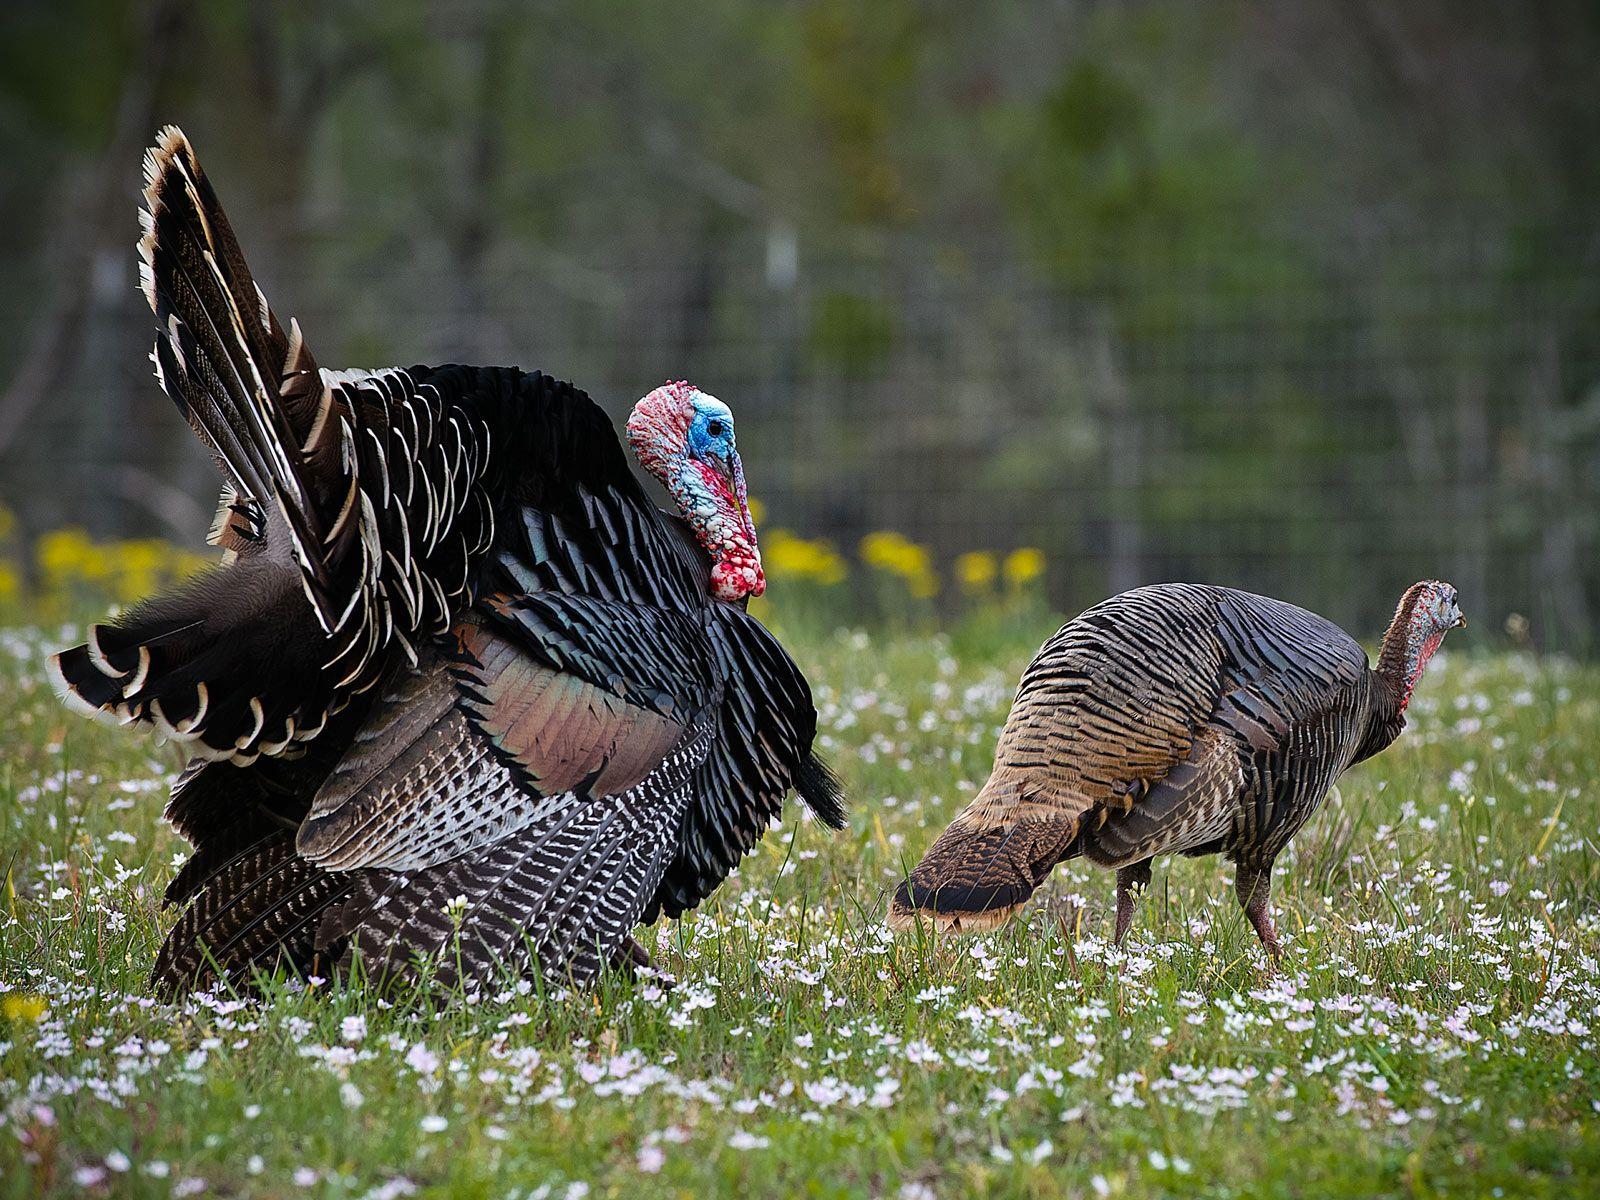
(457, 674)
(1174, 718)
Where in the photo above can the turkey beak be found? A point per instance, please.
(733, 471)
(1461, 620)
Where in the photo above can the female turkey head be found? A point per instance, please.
(684, 437)
(1427, 612)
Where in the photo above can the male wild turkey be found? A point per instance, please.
(1173, 719)
(459, 692)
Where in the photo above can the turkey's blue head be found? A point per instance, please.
(684, 437)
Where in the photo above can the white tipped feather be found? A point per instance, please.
(147, 283)
(67, 693)
(383, 464)
(324, 409)
(345, 510)
(260, 716)
(173, 326)
(191, 725)
(140, 674)
(307, 732)
(271, 749)
(398, 583)
(164, 726)
(98, 657)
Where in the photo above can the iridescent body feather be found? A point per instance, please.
(460, 695)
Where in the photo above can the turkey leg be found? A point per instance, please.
(1131, 884)
(1253, 885)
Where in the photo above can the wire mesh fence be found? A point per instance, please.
(1324, 414)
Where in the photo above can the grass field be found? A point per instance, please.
(1432, 1031)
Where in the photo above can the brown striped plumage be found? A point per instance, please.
(1176, 718)
(459, 695)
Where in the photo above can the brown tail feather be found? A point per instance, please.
(985, 865)
(196, 662)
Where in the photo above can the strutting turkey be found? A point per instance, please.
(459, 693)
(1173, 719)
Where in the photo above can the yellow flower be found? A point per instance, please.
(976, 570)
(758, 510)
(124, 571)
(897, 554)
(23, 1006)
(1024, 565)
(63, 555)
(10, 581)
(786, 556)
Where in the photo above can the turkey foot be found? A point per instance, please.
(635, 961)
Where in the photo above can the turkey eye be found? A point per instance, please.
(714, 428)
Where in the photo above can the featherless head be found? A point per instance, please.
(684, 437)
(1426, 612)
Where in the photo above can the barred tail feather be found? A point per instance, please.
(250, 389)
(256, 912)
(562, 894)
(229, 664)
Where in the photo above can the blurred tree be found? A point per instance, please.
(1233, 289)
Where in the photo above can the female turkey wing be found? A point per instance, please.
(1291, 697)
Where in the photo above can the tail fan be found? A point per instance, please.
(250, 389)
(353, 503)
(209, 662)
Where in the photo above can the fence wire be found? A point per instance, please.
(1325, 416)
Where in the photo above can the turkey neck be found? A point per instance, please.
(1391, 683)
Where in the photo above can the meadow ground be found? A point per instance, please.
(1432, 1031)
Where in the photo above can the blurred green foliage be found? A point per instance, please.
(851, 333)
(1301, 297)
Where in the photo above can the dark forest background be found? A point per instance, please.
(1300, 297)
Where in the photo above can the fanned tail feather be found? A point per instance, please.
(214, 663)
(203, 664)
(363, 500)
(250, 389)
